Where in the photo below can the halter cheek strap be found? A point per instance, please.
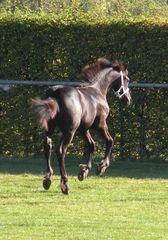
(121, 91)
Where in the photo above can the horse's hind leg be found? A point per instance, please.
(65, 141)
(104, 164)
(85, 168)
(49, 170)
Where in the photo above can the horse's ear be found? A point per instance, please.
(116, 66)
(125, 67)
(119, 66)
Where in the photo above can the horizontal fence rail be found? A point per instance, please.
(139, 131)
(72, 83)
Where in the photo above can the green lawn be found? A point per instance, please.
(129, 202)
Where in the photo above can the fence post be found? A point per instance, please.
(12, 6)
(121, 147)
(38, 5)
(142, 131)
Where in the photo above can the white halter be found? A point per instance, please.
(122, 88)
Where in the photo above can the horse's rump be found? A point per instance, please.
(44, 110)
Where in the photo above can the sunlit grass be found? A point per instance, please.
(110, 207)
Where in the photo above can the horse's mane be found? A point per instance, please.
(90, 71)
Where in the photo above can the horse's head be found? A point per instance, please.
(101, 70)
(120, 85)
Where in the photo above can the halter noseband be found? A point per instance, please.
(122, 88)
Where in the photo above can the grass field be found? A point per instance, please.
(129, 202)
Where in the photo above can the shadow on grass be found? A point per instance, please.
(130, 169)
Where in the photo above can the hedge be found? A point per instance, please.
(57, 47)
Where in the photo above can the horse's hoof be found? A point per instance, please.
(65, 189)
(83, 174)
(46, 183)
(80, 176)
(100, 170)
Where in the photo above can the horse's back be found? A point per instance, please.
(69, 105)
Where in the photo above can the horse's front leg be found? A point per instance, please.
(49, 170)
(104, 164)
(85, 168)
(65, 141)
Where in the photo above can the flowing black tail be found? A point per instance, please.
(44, 110)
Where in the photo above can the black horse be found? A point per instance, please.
(70, 108)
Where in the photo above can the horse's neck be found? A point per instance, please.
(102, 81)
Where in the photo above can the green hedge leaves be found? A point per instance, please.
(56, 48)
